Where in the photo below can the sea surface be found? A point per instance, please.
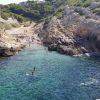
(56, 76)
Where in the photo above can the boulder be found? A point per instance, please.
(65, 50)
(52, 47)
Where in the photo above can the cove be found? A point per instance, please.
(57, 77)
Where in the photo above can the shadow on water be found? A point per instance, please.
(3, 58)
(94, 59)
(33, 78)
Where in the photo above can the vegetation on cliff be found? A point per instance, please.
(35, 10)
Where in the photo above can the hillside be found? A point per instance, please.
(39, 11)
(71, 27)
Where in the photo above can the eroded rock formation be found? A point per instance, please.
(76, 32)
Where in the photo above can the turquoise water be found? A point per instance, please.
(57, 77)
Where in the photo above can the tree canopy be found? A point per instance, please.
(35, 10)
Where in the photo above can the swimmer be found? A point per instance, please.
(33, 71)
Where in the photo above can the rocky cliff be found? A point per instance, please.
(13, 36)
(8, 45)
(76, 32)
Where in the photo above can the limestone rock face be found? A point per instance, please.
(8, 45)
(76, 32)
(10, 41)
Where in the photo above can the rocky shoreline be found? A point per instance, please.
(93, 55)
(6, 52)
(15, 39)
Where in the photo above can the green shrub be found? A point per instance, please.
(46, 21)
(59, 12)
(74, 2)
(15, 25)
(5, 15)
(97, 11)
(86, 3)
(19, 18)
(7, 27)
(4, 26)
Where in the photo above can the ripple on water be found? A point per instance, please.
(57, 77)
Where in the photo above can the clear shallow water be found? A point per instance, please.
(57, 77)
